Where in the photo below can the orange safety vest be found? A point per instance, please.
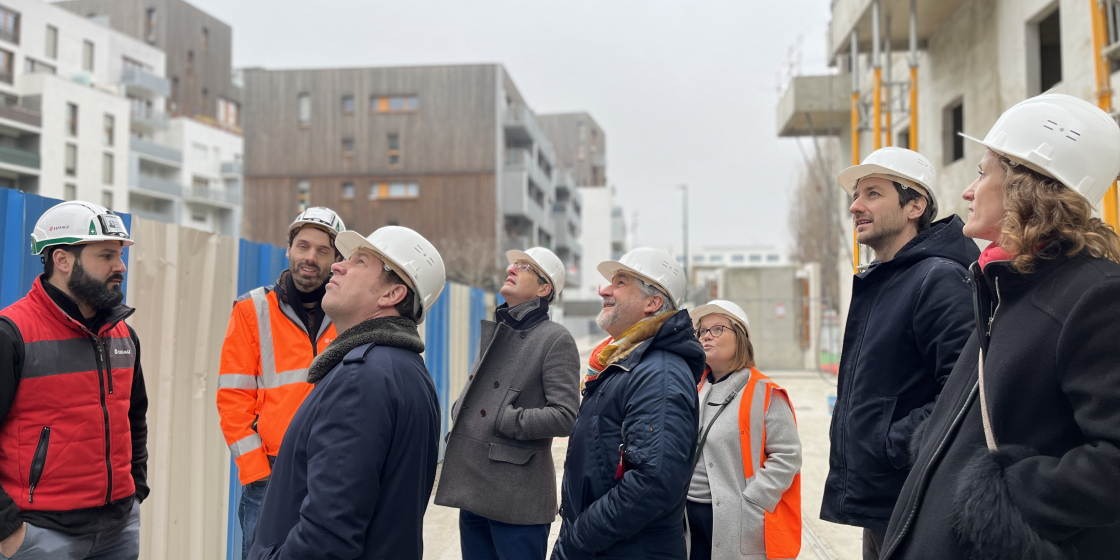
(782, 529)
(262, 378)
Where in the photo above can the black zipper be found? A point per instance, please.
(108, 363)
(101, 386)
(38, 461)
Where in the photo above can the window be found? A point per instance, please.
(397, 190)
(107, 199)
(9, 25)
(394, 103)
(205, 100)
(347, 104)
(738, 258)
(348, 191)
(69, 191)
(150, 26)
(393, 190)
(110, 124)
(32, 66)
(201, 152)
(229, 113)
(197, 217)
(7, 66)
(347, 147)
(374, 191)
(697, 258)
(205, 39)
(87, 56)
(200, 186)
(190, 64)
(716, 258)
(107, 169)
(71, 160)
(394, 150)
(303, 194)
(1049, 66)
(772, 258)
(756, 258)
(413, 190)
(71, 120)
(130, 64)
(904, 139)
(305, 109)
(173, 101)
(51, 50)
(952, 124)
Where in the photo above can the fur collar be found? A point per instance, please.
(633, 337)
(383, 331)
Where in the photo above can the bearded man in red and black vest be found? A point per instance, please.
(73, 437)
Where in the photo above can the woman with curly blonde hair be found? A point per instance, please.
(1020, 458)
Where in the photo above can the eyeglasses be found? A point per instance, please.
(522, 266)
(717, 331)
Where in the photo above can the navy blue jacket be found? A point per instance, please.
(650, 396)
(908, 321)
(356, 466)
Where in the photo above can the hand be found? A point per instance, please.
(10, 545)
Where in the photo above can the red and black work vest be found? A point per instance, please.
(66, 443)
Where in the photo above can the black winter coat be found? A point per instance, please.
(647, 400)
(357, 464)
(908, 320)
(1052, 387)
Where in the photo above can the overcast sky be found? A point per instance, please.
(685, 90)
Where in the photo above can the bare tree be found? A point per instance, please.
(813, 217)
(471, 261)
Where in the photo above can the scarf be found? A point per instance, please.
(523, 316)
(610, 351)
(312, 317)
(395, 331)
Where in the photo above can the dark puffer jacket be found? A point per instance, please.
(1052, 386)
(648, 401)
(908, 320)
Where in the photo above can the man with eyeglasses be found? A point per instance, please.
(522, 392)
(274, 333)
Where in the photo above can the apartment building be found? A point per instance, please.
(965, 62)
(454, 152)
(580, 144)
(186, 144)
(69, 87)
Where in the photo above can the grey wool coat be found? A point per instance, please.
(523, 391)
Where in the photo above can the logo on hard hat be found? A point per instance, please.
(92, 228)
(53, 228)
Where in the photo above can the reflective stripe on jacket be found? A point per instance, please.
(263, 376)
(782, 527)
(66, 443)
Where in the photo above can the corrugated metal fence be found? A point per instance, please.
(182, 282)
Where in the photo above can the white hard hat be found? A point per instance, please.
(411, 256)
(319, 217)
(653, 266)
(75, 223)
(721, 307)
(906, 167)
(1062, 137)
(546, 263)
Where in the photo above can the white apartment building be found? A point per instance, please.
(602, 237)
(82, 118)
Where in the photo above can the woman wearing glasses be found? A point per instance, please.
(745, 497)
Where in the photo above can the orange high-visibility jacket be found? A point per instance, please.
(263, 376)
(782, 529)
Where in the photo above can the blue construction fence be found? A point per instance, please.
(451, 328)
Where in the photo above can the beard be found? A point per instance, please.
(304, 283)
(886, 228)
(607, 318)
(94, 292)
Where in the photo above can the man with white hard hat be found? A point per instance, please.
(274, 332)
(909, 317)
(630, 453)
(522, 392)
(354, 475)
(73, 435)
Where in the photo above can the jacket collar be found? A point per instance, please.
(523, 316)
(63, 309)
(395, 331)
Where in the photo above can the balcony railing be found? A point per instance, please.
(231, 168)
(21, 114)
(226, 195)
(16, 156)
(156, 184)
(135, 78)
(148, 148)
(153, 120)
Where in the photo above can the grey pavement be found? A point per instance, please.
(821, 540)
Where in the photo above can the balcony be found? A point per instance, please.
(849, 15)
(22, 115)
(139, 81)
(232, 168)
(209, 194)
(521, 160)
(18, 157)
(156, 152)
(815, 106)
(152, 184)
(516, 200)
(149, 120)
